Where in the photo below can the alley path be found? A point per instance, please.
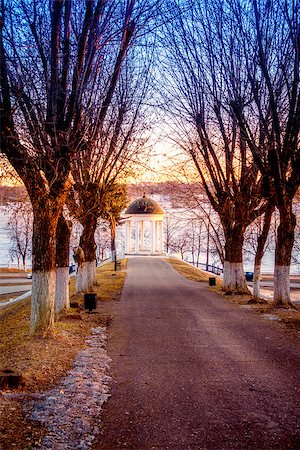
(192, 371)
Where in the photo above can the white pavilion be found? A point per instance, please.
(144, 227)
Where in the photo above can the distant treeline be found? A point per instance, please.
(176, 189)
(163, 188)
(173, 188)
(11, 194)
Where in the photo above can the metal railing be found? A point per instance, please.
(208, 267)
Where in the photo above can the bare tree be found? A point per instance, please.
(170, 231)
(269, 119)
(117, 202)
(195, 236)
(192, 210)
(181, 244)
(257, 238)
(19, 229)
(102, 240)
(62, 260)
(117, 145)
(51, 57)
(296, 248)
(204, 59)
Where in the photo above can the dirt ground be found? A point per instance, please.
(42, 362)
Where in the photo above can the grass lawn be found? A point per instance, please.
(109, 283)
(192, 273)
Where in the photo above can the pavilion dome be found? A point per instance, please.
(144, 205)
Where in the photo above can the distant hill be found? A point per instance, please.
(12, 194)
(163, 188)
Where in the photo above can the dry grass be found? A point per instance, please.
(109, 283)
(7, 270)
(6, 297)
(33, 357)
(290, 318)
(192, 273)
(43, 362)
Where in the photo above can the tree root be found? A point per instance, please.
(284, 305)
(257, 301)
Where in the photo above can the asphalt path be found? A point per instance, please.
(192, 371)
(14, 289)
(14, 282)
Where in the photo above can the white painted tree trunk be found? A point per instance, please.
(42, 301)
(81, 278)
(234, 278)
(226, 275)
(62, 299)
(256, 282)
(91, 274)
(282, 285)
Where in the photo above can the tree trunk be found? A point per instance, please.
(283, 252)
(234, 277)
(256, 281)
(87, 243)
(91, 274)
(43, 269)
(261, 242)
(24, 263)
(81, 273)
(207, 247)
(81, 278)
(113, 242)
(63, 235)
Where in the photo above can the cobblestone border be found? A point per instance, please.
(71, 410)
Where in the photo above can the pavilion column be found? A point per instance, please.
(137, 237)
(161, 236)
(128, 236)
(142, 236)
(152, 237)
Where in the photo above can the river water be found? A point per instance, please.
(4, 239)
(5, 259)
